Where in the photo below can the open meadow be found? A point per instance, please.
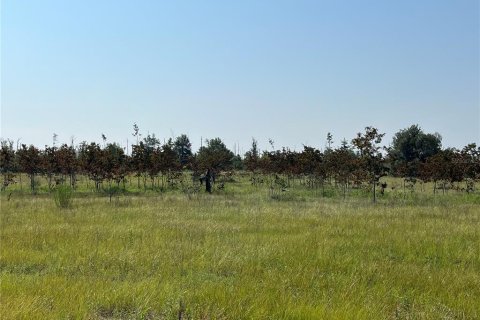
(237, 160)
(240, 253)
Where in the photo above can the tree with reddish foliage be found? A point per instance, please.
(470, 155)
(50, 164)
(155, 166)
(30, 162)
(311, 163)
(413, 154)
(445, 167)
(115, 164)
(67, 163)
(342, 164)
(91, 158)
(169, 163)
(164, 160)
(141, 161)
(370, 157)
(308, 160)
(142, 158)
(8, 165)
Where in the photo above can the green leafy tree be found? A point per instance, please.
(215, 155)
(151, 142)
(183, 149)
(251, 157)
(410, 147)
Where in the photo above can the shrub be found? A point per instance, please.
(63, 196)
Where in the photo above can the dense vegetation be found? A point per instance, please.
(413, 155)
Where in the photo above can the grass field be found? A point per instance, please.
(239, 254)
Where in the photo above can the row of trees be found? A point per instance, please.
(413, 154)
(149, 160)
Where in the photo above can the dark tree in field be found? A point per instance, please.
(93, 162)
(169, 162)
(445, 167)
(311, 164)
(7, 163)
(67, 163)
(251, 157)
(30, 162)
(371, 159)
(115, 163)
(155, 164)
(410, 147)
(309, 160)
(215, 155)
(142, 156)
(470, 155)
(183, 148)
(141, 161)
(342, 164)
(50, 164)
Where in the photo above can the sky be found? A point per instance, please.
(290, 71)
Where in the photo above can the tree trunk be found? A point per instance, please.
(32, 182)
(49, 181)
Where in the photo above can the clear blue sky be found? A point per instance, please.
(287, 70)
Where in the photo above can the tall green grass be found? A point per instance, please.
(62, 196)
(238, 255)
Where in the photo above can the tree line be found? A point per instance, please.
(413, 154)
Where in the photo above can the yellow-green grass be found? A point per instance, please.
(238, 256)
